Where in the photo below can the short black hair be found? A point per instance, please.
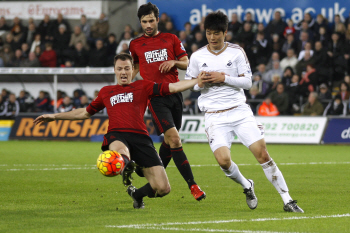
(148, 9)
(123, 57)
(216, 21)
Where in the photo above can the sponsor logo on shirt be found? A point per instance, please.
(122, 98)
(156, 55)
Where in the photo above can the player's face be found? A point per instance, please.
(216, 39)
(149, 24)
(123, 71)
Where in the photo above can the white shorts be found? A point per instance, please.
(221, 128)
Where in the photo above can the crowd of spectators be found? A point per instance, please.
(298, 68)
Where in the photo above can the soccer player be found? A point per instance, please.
(226, 72)
(126, 103)
(157, 56)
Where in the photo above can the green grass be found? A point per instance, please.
(51, 186)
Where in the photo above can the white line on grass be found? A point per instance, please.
(92, 166)
(226, 221)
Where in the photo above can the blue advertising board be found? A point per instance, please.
(338, 131)
(182, 11)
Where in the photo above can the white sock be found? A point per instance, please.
(275, 176)
(234, 174)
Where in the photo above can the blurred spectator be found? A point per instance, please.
(287, 76)
(97, 56)
(61, 43)
(303, 39)
(78, 36)
(262, 72)
(30, 35)
(262, 86)
(347, 79)
(289, 30)
(280, 98)
(18, 37)
(344, 91)
(199, 40)
(127, 28)
(25, 50)
(307, 47)
(126, 40)
(66, 105)
(60, 95)
(100, 27)
(336, 21)
(11, 107)
(320, 60)
(85, 26)
(293, 92)
(301, 65)
(254, 98)
(234, 26)
(308, 82)
(42, 102)
(246, 36)
(163, 19)
(324, 94)
(36, 42)
(267, 108)
(10, 42)
(276, 70)
(194, 48)
(7, 55)
(38, 51)
(249, 19)
(48, 57)
(2, 108)
(289, 61)
(84, 102)
(276, 79)
(125, 49)
(80, 56)
(188, 31)
(261, 29)
(45, 29)
(337, 107)
(321, 21)
(276, 44)
(183, 39)
(341, 30)
(5, 94)
(308, 20)
(3, 25)
(313, 107)
(259, 50)
(21, 99)
(169, 28)
(111, 47)
(276, 26)
(76, 97)
(323, 36)
(274, 57)
(17, 59)
(290, 43)
(31, 61)
(17, 24)
(229, 37)
(336, 54)
(57, 23)
(1, 62)
(305, 30)
(189, 106)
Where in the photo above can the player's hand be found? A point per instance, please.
(200, 79)
(166, 66)
(43, 119)
(214, 77)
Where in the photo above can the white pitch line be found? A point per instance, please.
(228, 221)
(205, 230)
(92, 166)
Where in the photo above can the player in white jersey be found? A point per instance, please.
(223, 71)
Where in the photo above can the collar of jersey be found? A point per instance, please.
(151, 36)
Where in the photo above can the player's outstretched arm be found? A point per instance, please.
(182, 85)
(76, 114)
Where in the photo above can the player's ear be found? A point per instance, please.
(158, 20)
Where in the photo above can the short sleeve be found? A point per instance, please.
(96, 105)
(179, 48)
(133, 52)
(192, 69)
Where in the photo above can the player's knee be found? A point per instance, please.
(263, 155)
(224, 162)
(163, 190)
(174, 141)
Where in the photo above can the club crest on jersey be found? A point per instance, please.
(156, 55)
(122, 98)
(229, 64)
(182, 47)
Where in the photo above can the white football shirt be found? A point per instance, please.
(231, 60)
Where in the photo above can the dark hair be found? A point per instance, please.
(123, 57)
(147, 9)
(216, 21)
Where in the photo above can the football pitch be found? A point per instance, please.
(51, 186)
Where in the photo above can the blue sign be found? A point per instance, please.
(338, 131)
(182, 11)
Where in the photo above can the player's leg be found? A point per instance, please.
(220, 137)
(274, 175)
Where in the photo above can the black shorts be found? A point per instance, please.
(140, 146)
(166, 112)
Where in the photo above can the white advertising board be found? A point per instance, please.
(37, 10)
(289, 130)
